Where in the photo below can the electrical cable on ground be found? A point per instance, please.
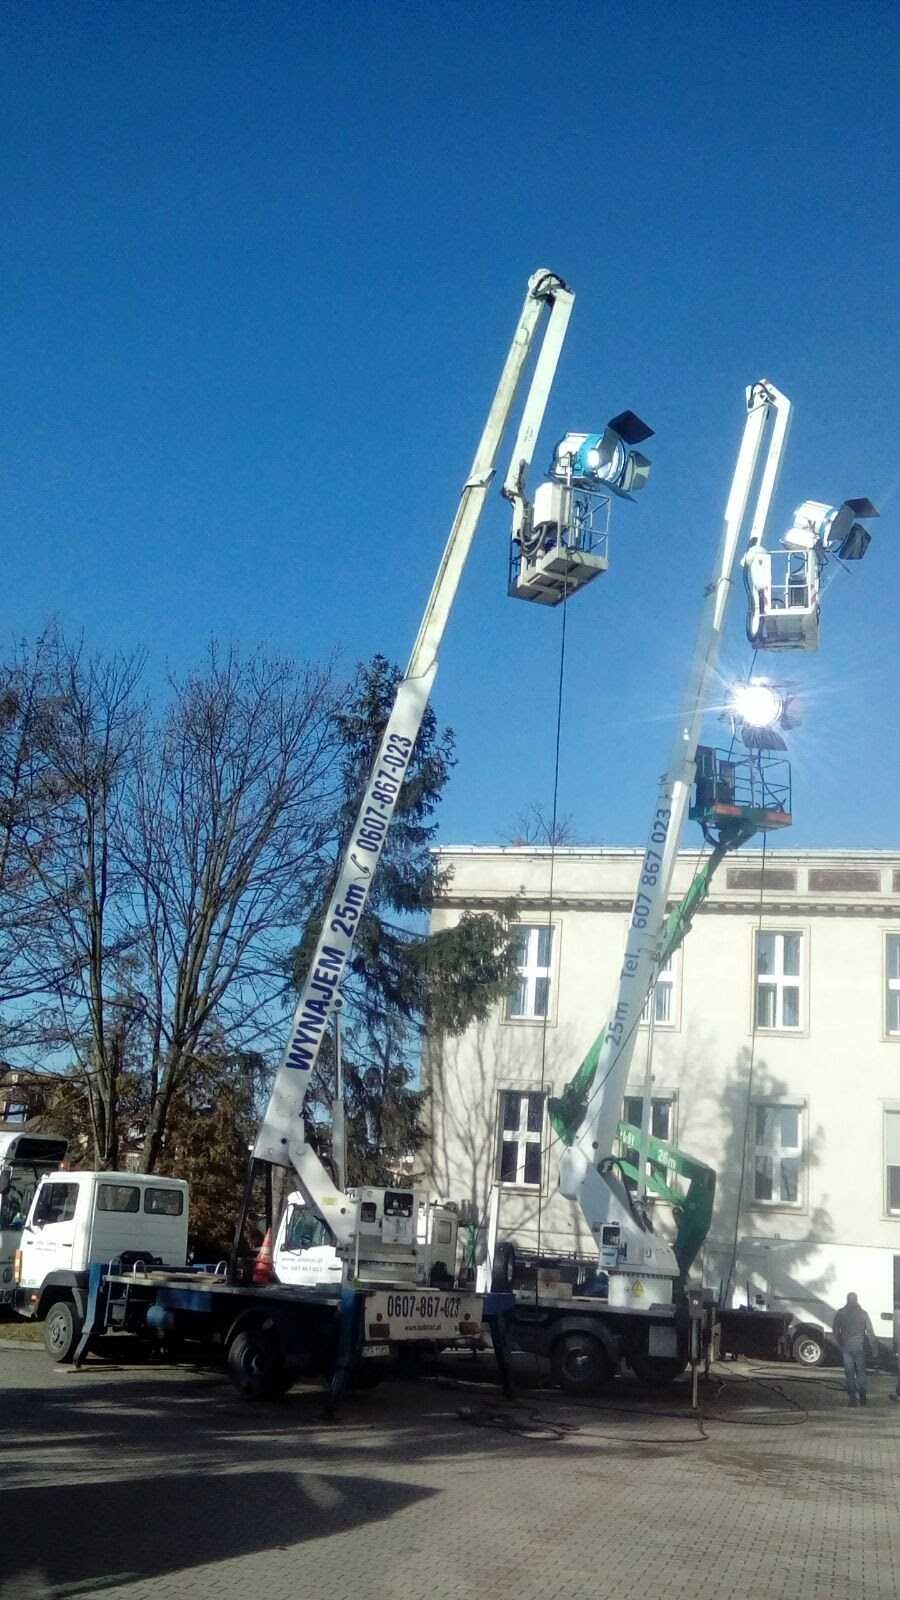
(525, 1420)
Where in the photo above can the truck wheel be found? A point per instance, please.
(579, 1363)
(255, 1367)
(62, 1330)
(657, 1372)
(504, 1268)
(808, 1348)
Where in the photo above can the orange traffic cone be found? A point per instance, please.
(264, 1265)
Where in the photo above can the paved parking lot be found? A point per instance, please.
(133, 1482)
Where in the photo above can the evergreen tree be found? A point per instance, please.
(209, 1133)
(400, 979)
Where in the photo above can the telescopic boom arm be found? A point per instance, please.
(280, 1140)
(586, 1173)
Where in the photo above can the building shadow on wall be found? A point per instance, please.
(756, 1242)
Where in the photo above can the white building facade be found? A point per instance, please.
(775, 1052)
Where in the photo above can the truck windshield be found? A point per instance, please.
(18, 1197)
(305, 1229)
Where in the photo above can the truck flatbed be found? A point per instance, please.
(302, 1328)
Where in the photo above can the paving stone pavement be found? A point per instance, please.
(133, 1482)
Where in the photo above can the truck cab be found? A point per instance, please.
(402, 1237)
(24, 1159)
(80, 1219)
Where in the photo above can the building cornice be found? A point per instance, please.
(797, 906)
(585, 852)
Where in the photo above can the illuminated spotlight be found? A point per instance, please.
(758, 707)
(831, 529)
(605, 460)
(757, 702)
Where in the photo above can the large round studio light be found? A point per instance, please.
(757, 704)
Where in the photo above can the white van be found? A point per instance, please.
(811, 1281)
(81, 1219)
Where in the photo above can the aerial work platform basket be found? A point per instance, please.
(565, 546)
(733, 790)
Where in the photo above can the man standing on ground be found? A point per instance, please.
(852, 1327)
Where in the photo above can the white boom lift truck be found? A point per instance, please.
(378, 1235)
(394, 1237)
(375, 1270)
(636, 1307)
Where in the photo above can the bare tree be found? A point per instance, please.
(83, 735)
(29, 802)
(232, 809)
(536, 825)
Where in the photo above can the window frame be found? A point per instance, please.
(779, 981)
(889, 986)
(777, 1203)
(670, 975)
(890, 1213)
(134, 1193)
(658, 1097)
(522, 1136)
(533, 971)
(51, 1222)
(158, 1188)
(306, 1213)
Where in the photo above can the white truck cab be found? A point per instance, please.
(25, 1158)
(401, 1237)
(80, 1219)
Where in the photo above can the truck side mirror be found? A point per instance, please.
(5, 1180)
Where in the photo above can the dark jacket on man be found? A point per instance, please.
(852, 1327)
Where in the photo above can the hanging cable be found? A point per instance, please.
(597, 1087)
(553, 818)
(748, 1102)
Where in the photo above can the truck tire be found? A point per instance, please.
(62, 1330)
(579, 1363)
(656, 1372)
(808, 1348)
(504, 1268)
(255, 1366)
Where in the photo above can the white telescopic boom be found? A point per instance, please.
(281, 1139)
(596, 1135)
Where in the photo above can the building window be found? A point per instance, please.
(660, 1114)
(662, 998)
(892, 1162)
(521, 1125)
(778, 1154)
(892, 984)
(530, 995)
(14, 1111)
(778, 980)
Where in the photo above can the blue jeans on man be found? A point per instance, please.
(855, 1374)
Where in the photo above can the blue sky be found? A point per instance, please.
(263, 263)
